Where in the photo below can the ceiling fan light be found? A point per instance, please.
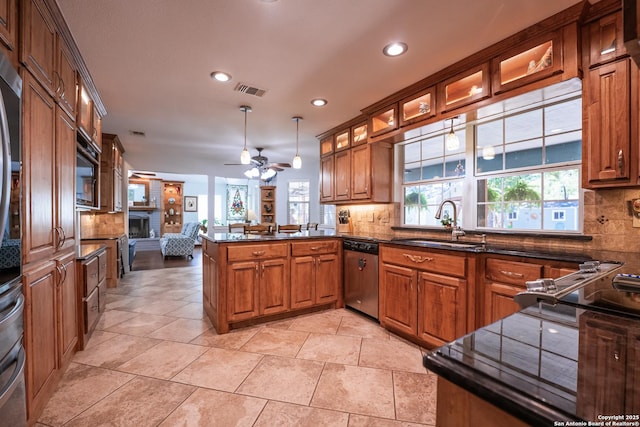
(268, 174)
(297, 162)
(252, 173)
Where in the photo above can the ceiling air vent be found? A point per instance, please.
(248, 89)
(137, 133)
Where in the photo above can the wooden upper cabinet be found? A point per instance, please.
(85, 110)
(532, 61)
(418, 107)
(384, 120)
(342, 175)
(326, 146)
(327, 170)
(66, 87)
(9, 23)
(606, 41)
(465, 88)
(607, 151)
(342, 140)
(39, 42)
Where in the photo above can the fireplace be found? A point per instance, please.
(138, 226)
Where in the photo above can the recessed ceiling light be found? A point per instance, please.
(395, 49)
(319, 102)
(221, 76)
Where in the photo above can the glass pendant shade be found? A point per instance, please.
(452, 142)
(297, 160)
(245, 156)
(488, 152)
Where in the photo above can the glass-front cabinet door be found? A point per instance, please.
(384, 121)
(343, 140)
(527, 63)
(418, 107)
(326, 146)
(359, 134)
(465, 88)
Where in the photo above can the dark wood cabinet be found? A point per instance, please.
(608, 351)
(39, 230)
(327, 171)
(315, 273)
(371, 167)
(91, 274)
(39, 43)
(250, 282)
(423, 294)
(9, 24)
(608, 155)
(51, 329)
(506, 276)
(342, 176)
(111, 174)
(257, 281)
(66, 87)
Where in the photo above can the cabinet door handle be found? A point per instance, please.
(621, 162)
(258, 253)
(511, 274)
(64, 236)
(417, 259)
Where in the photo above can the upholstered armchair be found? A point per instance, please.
(180, 244)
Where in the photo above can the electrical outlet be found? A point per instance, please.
(635, 207)
(636, 221)
(370, 217)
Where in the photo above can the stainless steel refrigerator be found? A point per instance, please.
(12, 355)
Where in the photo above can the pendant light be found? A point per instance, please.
(297, 161)
(245, 156)
(452, 141)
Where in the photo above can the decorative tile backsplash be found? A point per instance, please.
(607, 220)
(101, 223)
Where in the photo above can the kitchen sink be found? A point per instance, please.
(440, 244)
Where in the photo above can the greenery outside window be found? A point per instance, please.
(525, 153)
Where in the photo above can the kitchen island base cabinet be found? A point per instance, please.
(314, 273)
(457, 407)
(248, 282)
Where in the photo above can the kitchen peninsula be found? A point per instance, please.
(251, 278)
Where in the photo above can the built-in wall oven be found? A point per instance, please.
(360, 267)
(87, 174)
(12, 355)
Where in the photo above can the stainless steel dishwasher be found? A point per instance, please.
(361, 275)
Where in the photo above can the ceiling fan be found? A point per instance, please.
(261, 167)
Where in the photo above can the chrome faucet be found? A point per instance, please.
(456, 230)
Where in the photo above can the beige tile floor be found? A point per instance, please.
(154, 359)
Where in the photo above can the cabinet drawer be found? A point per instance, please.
(102, 296)
(437, 262)
(102, 266)
(512, 272)
(314, 247)
(250, 252)
(90, 275)
(91, 310)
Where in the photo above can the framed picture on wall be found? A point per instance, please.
(190, 203)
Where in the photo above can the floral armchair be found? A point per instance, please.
(180, 244)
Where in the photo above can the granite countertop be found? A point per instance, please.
(87, 250)
(241, 237)
(105, 236)
(464, 246)
(546, 364)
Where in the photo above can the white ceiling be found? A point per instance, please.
(151, 61)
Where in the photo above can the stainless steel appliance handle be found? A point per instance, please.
(16, 310)
(6, 167)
